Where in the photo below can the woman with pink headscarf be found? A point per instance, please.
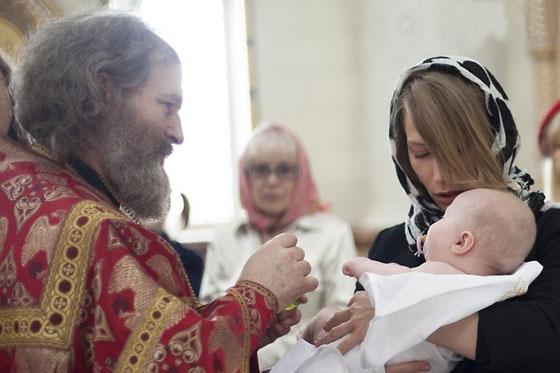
(279, 195)
(549, 145)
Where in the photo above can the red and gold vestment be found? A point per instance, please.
(84, 288)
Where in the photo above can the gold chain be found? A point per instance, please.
(122, 207)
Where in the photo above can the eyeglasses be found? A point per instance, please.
(262, 171)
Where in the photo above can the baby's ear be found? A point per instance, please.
(463, 244)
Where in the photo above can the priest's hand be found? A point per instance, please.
(283, 322)
(280, 267)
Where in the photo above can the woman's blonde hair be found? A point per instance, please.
(450, 115)
(270, 135)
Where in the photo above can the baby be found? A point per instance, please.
(483, 232)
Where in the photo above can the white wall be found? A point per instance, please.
(309, 76)
(326, 69)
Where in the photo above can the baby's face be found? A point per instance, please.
(443, 234)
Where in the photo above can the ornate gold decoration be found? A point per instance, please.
(122, 207)
(162, 267)
(25, 208)
(246, 328)
(31, 359)
(15, 187)
(102, 329)
(15, 156)
(3, 230)
(52, 321)
(187, 344)
(8, 271)
(41, 236)
(138, 242)
(113, 240)
(127, 274)
(141, 342)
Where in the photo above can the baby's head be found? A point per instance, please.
(483, 232)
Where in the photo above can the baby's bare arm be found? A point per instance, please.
(356, 267)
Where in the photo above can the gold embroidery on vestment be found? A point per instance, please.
(25, 208)
(52, 321)
(14, 187)
(33, 359)
(16, 155)
(162, 267)
(59, 192)
(140, 344)
(187, 344)
(3, 230)
(41, 236)
(127, 274)
(223, 338)
(52, 179)
(235, 293)
(8, 271)
(20, 296)
(138, 242)
(114, 240)
(102, 330)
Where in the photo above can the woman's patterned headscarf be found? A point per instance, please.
(305, 199)
(423, 211)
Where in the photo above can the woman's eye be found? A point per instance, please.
(421, 155)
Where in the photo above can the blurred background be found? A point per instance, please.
(325, 69)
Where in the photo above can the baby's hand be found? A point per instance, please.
(314, 330)
(356, 267)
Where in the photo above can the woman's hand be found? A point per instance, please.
(408, 367)
(350, 324)
(315, 327)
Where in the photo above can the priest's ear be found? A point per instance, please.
(107, 88)
(463, 244)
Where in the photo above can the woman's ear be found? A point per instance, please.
(464, 244)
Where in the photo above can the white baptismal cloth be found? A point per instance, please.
(408, 308)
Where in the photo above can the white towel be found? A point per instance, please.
(409, 307)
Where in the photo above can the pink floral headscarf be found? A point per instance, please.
(305, 199)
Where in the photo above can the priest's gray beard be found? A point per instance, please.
(132, 154)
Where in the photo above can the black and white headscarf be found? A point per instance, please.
(423, 211)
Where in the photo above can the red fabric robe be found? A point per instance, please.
(83, 288)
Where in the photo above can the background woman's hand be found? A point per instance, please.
(350, 324)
